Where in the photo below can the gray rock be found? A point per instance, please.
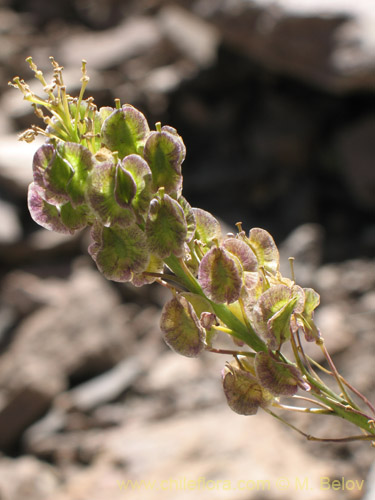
(105, 49)
(81, 332)
(10, 227)
(25, 402)
(27, 477)
(196, 39)
(104, 388)
(328, 43)
(347, 279)
(370, 484)
(15, 163)
(356, 152)
(305, 244)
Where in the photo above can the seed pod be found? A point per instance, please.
(125, 131)
(219, 276)
(81, 162)
(312, 300)
(265, 249)
(164, 153)
(207, 227)
(43, 213)
(272, 314)
(119, 252)
(181, 329)
(243, 392)
(280, 379)
(243, 253)
(166, 227)
(102, 198)
(141, 174)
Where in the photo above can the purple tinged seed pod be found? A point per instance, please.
(119, 252)
(164, 153)
(125, 131)
(280, 379)
(181, 329)
(166, 227)
(101, 196)
(43, 213)
(271, 315)
(264, 247)
(242, 390)
(141, 174)
(208, 229)
(219, 276)
(243, 252)
(125, 187)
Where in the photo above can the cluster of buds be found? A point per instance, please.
(106, 169)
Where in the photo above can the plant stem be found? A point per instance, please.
(365, 437)
(239, 329)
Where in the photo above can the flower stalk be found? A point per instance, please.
(106, 170)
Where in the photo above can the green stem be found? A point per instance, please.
(179, 268)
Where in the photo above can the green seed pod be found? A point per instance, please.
(141, 175)
(125, 131)
(243, 253)
(119, 252)
(164, 153)
(271, 314)
(166, 227)
(102, 196)
(208, 229)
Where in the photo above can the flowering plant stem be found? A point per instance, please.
(105, 169)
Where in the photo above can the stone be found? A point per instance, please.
(106, 49)
(26, 403)
(10, 227)
(103, 388)
(27, 477)
(305, 244)
(206, 446)
(15, 163)
(350, 278)
(81, 332)
(355, 148)
(328, 43)
(196, 39)
(370, 484)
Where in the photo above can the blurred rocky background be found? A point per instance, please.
(275, 102)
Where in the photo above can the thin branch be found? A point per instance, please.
(231, 352)
(359, 394)
(306, 359)
(309, 437)
(310, 400)
(336, 374)
(303, 409)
